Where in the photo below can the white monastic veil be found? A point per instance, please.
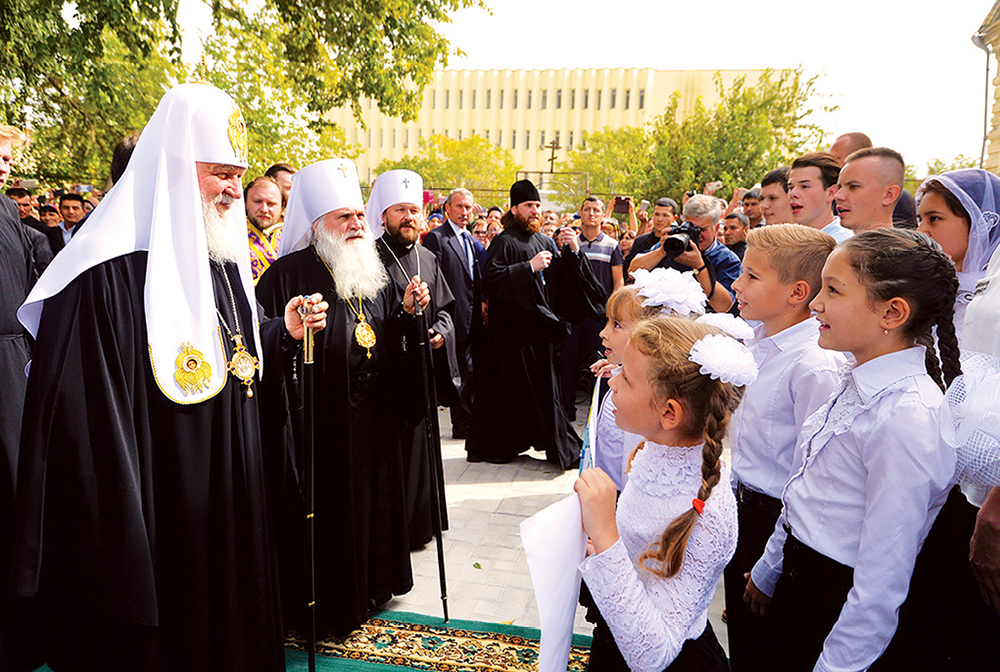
(390, 188)
(156, 206)
(979, 193)
(317, 189)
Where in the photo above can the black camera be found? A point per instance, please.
(680, 238)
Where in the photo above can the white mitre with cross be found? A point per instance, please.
(391, 188)
(317, 189)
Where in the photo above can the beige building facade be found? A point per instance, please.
(990, 30)
(525, 110)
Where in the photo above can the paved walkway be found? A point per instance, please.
(487, 573)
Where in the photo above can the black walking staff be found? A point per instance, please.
(306, 308)
(433, 446)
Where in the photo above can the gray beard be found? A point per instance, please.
(224, 234)
(357, 270)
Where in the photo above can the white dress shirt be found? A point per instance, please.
(609, 452)
(839, 232)
(873, 478)
(649, 616)
(795, 378)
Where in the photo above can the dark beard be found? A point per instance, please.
(509, 219)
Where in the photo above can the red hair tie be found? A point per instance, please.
(698, 505)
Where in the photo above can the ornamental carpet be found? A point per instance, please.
(396, 639)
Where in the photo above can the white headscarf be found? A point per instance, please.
(317, 189)
(979, 193)
(157, 206)
(391, 188)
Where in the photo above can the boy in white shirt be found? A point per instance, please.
(781, 275)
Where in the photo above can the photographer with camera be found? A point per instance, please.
(691, 246)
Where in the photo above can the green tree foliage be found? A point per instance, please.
(446, 163)
(329, 52)
(74, 128)
(749, 131)
(241, 58)
(617, 159)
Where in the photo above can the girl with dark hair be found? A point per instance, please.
(870, 475)
(677, 515)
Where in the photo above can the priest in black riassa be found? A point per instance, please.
(395, 215)
(533, 287)
(142, 531)
(362, 548)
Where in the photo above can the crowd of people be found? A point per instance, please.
(156, 476)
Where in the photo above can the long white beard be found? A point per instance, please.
(354, 262)
(225, 234)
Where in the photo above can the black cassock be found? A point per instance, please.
(17, 275)
(362, 549)
(417, 455)
(518, 400)
(142, 528)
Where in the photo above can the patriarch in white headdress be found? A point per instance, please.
(180, 199)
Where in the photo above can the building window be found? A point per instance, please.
(583, 139)
(513, 139)
(406, 137)
(394, 138)
(500, 138)
(557, 138)
(501, 99)
(461, 98)
(369, 138)
(545, 99)
(628, 95)
(599, 92)
(614, 98)
(541, 141)
(558, 99)
(570, 140)
(489, 96)
(529, 99)
(514, 104)
(381, 138)
(447, 133)
(420, 133)
(473, 99)
(487, 135)
(642, 99)
(434, 99)
(447, 99)
(527, 139)
(459, 134)
(586, 98)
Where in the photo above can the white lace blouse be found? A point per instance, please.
(651, 617)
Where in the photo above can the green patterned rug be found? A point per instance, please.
(397, 639)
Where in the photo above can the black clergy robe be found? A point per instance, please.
(518, 399)
(17, 275)
(141, 528)
(417, 455)
(362, 549)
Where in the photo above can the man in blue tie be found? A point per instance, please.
(458, 254)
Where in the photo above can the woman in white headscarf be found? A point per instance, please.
(958, 209)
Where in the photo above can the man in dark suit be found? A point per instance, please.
(458, 254)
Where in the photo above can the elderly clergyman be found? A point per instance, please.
(362, 550)
(141, 527)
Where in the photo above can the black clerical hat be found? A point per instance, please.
(521, 191)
